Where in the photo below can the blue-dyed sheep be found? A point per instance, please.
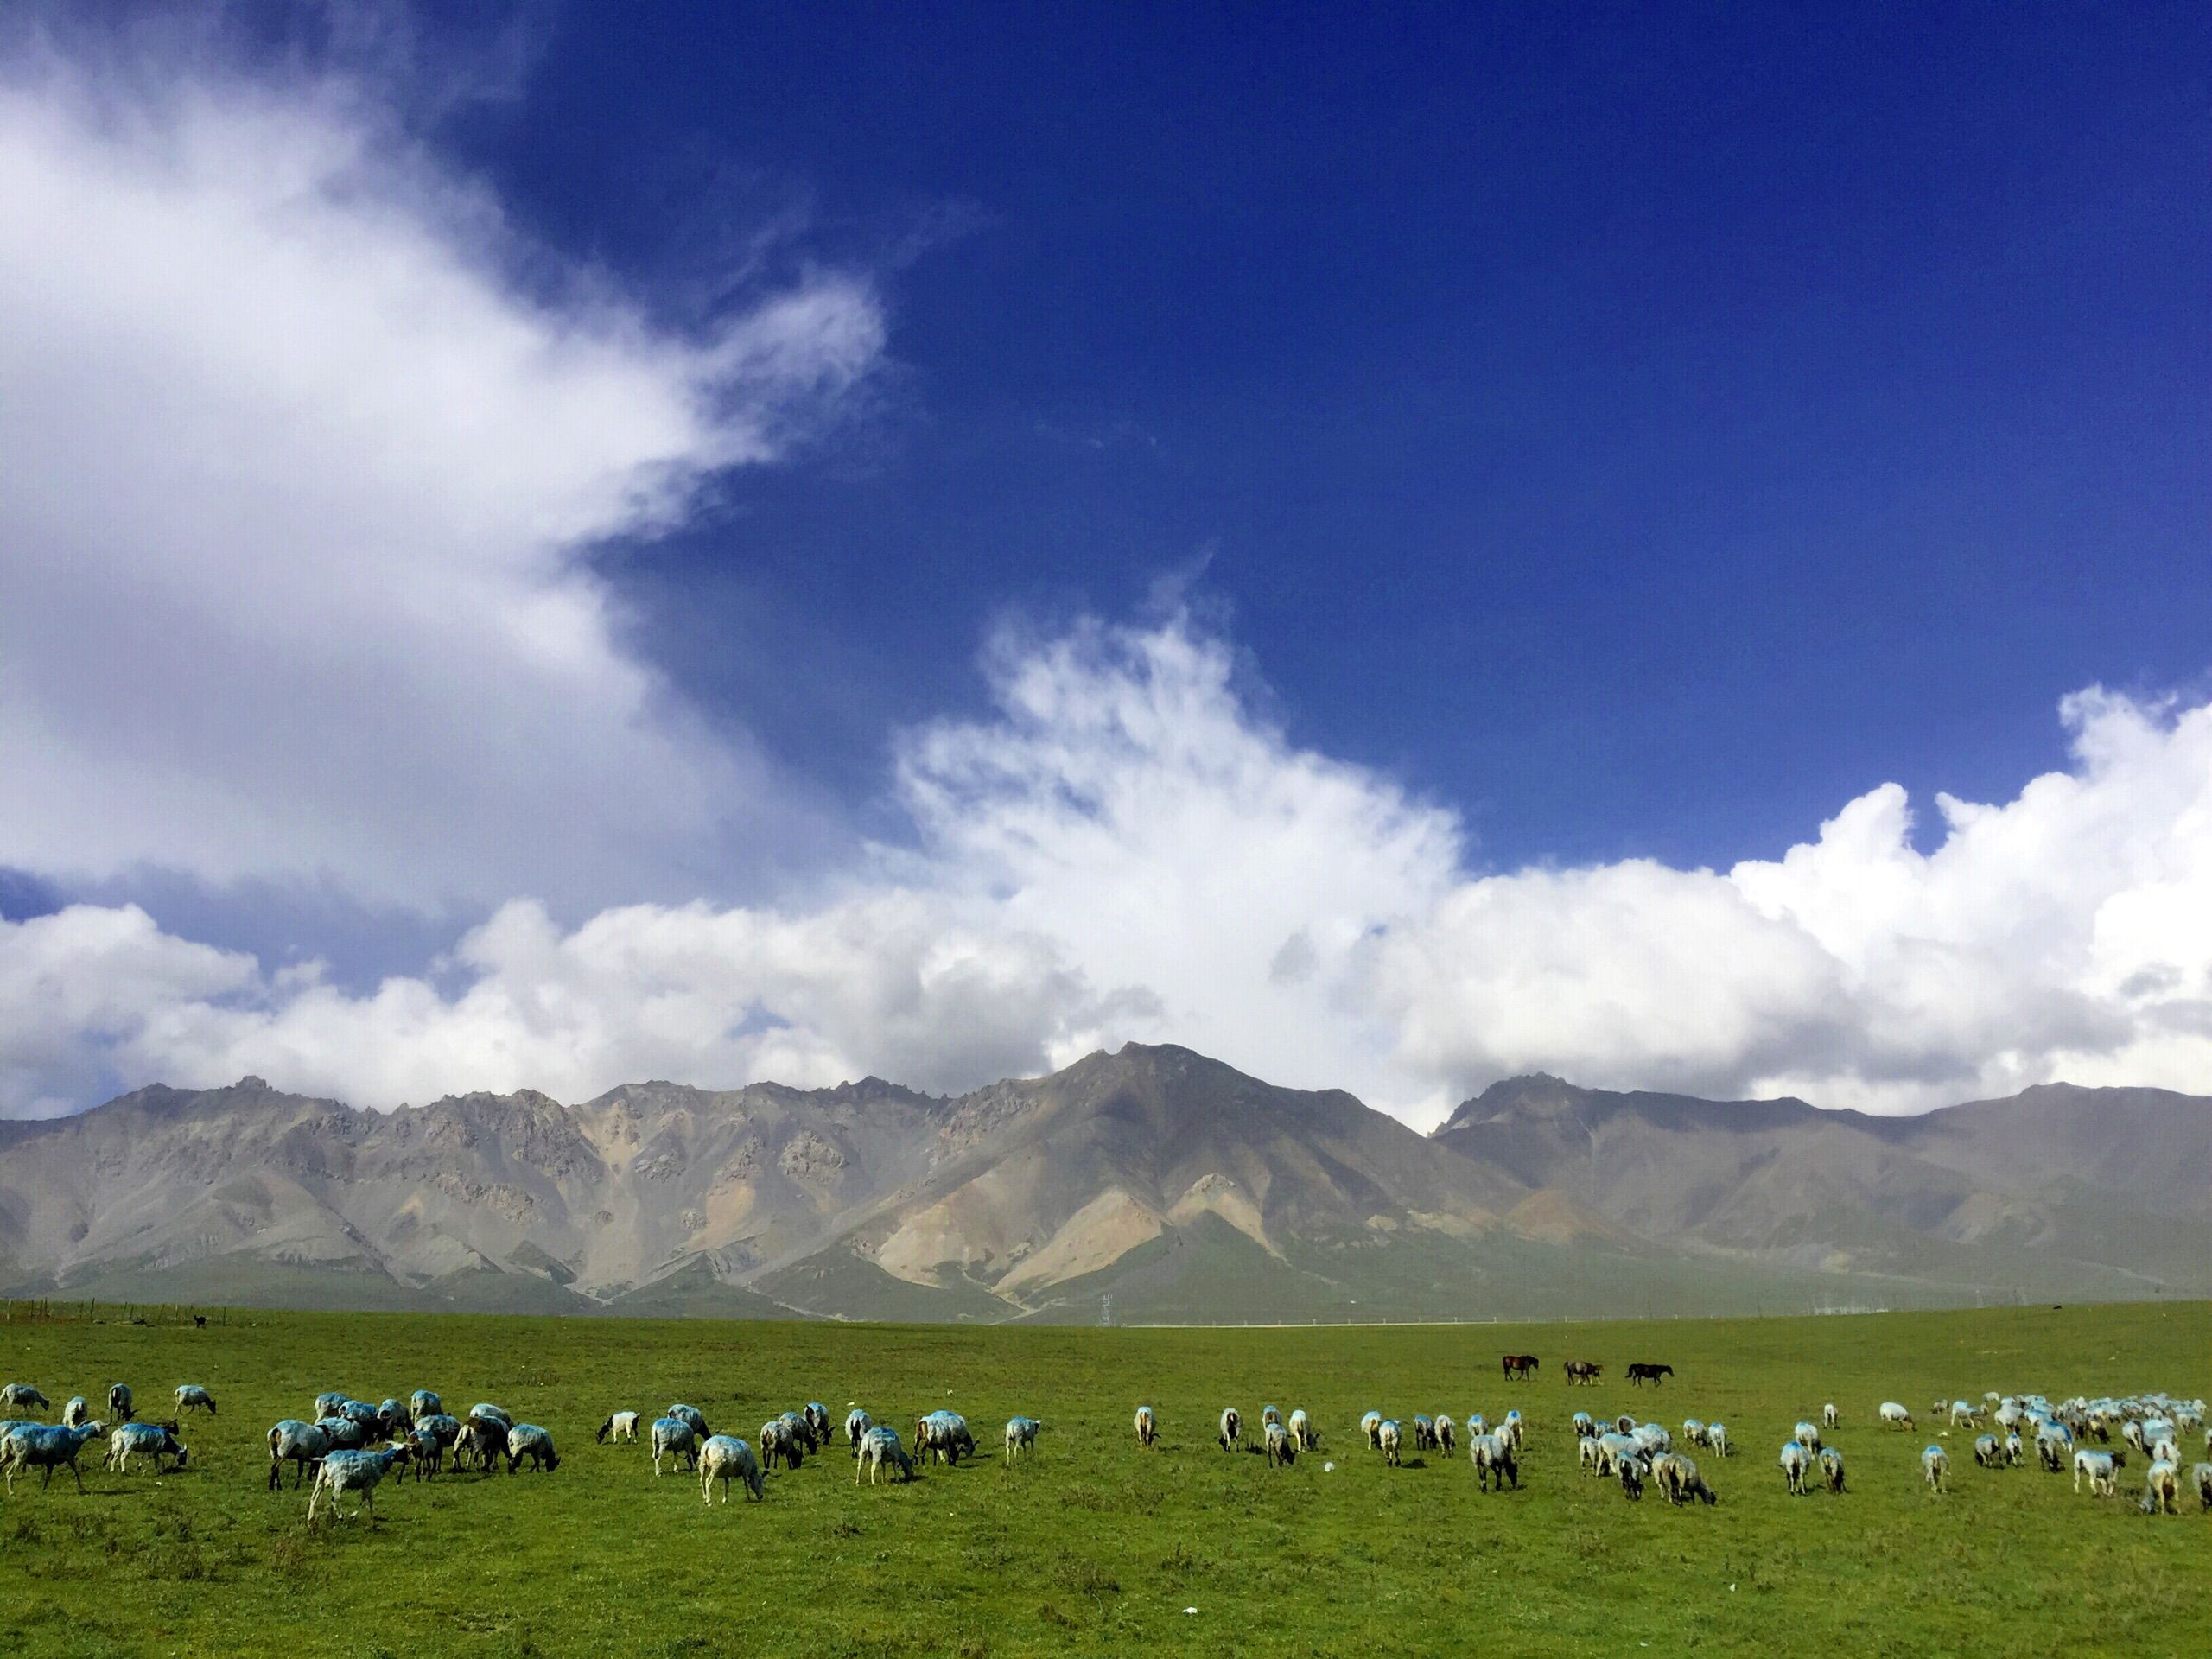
(1391, 1440)
(879, 1445)
(672, 1438)
(154, 1441)
(1282, 1450)
(354, 1471)
(1934, 1466)
(45, 1448)
(1796, 1463)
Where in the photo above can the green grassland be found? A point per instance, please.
(1094, 1547)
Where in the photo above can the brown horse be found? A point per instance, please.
(1517, 1366)
(1583, 1371)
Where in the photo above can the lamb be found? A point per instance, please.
(1895, 1415)
(302, 1443)
(1809, 1436)
(190, 1396)
(879, 1445)
(620, 1427)
(1371, 1426)
(22, 1396)
(725, 1457)
(1796, 1463)
(1390, 1438)
(1424, 1432)
(1302, 1430)
(2162, 1488)
(354, 1471)
(1147, 1425)
(118, 1402)
(1230, 1423)
(672, 1438)
(1494, 1462)
(1828, 1415)
(1282, 1450)
(529, 1441)
(1716, 1437)
(1680, 1481)
(2103, 1470)
(154, 1441)
(423, 1402)
(37, 1446)
(1447, 1436)
(1988, 1451)
(429, 1451)
(1936, 1466)
(1021, 1436)
(1832, 1467)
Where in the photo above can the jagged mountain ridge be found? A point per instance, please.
(1153, 1180)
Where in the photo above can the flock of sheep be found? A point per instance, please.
(350, 1446)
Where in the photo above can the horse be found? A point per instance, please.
(1583, 1371)
(1642, 1369)
(1517, 1366)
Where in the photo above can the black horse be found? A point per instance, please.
(1642, 1369)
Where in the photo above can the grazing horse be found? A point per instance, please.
(1517, 1366)
(1642, 1369)
(1583, 1371)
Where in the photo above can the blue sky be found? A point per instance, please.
(606, 465)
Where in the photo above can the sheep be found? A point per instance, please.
(396, 1418)
(1511, 1428)
(1371, 1426)
(1424, 1432)
(2103, 1470)
(118, 1402)
(1895, 1415)
(1391, 1439)
(672, 1438)
(857, 1423)
(2161, 1488)
(190, 1396)
(445, 1428)
(1796, 1463)
(1611, 1448)
(943, 1435)
(1447, 1436)
(1494, 1462)
(1147, 1425)
(1652, 1438)
(76, 1412)
(1965, 1414)
(1692, 1431)
(1809, 1436)
(430, 1452)
(1303, 1432)
(1269, 1415)
(529, 1441)
(692, 1415)
(302, 1443)
(2053, 1442)
(1632, 1471)
(2200, 1477)
(37, 1446)
(2014, 1452)
(1716, 1437)
(1831, 1468)
(1584, 1424)
(1936, 1466)
(361, 1411)
(343, 1434)
(779, 1439)
(1021, 1435)
(725, 1457)
(1680, 1481)
(22, 1396)
(817, 1418)
(484, 1412)
(329, 1403)
(620, 1426)
(2163, 1449)
(154, 1441)
(424, 1402)
(879, 1445)
(1828, 1415)
(484, 1438)
(1230, 1425)
(1476, 1423)
(354, 1471)
(1988, 1451)
(802, 1431)
(1625, 1424)
(1587, 1453)
(1282, 1450)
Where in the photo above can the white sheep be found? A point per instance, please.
(1680, 1481)
(1936, 1466)
(1716, 1437)
(1390, 1438)
(725, 1457)
(1302, 1430)
(22, 1396)
(2162, 1488)
(857, 1423)
(1796, 1463)
(1988, 1451)
(1021, 1436)
(1231, 1425)
(1832, 1467)
(424, 1402)
(1809, 1436)
(1587, 1453)
(153, 1441)
(1692, 1431)
(620, 1427)
(190, 1396)
(2103, 1470)
(2200, 1477)
(1147, 1425)
(118, 1402)
(301, 1443)
(1894, 1415)
(1447, 1436)
(529, 1441)
(878, 1447)
(672, 1438)
(75, 1413)
(354, 1471)
(1828, 1415)
(1282, 1450)
(1965, 1414)
(1370, 1425)
(1494, 1461)
(1633, 1472)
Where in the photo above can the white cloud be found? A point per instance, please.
(1124, 850)
(300, 484)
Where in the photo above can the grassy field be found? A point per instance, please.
(1094, 1547)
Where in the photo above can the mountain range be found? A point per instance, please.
(1148, 1185)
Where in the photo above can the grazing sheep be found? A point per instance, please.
(1494, 1462)
(1230, 1424)
(2103, 1470)
(1447, 1436)
(2200, 1477)
(398, 1420)
(1828, 1415)
(779, 1439)
(354, 1471)
(430, 1452)
(1587, 1453)
(817, 1418)
(447, 1429)
(1390, 1437)
(1680, 1481)
(2162, 1488)
(361, 1411)
(75, 1413)
(1511, 1428)
(1988, 1451)
(424, 1402)
(1625, 1424)
(1021, 1436)
(1583, 1424)
(1936, 1466)
(1895, 1415)
(878, 1447)
(1809, 1436)
(1716, 1437)
(1796, 1463)
(622, 1426)
(1611, 1448)
(1652, 1438)
(329, 1403)
(1269, 1415)
(482, 1439)
(1303, 1432)
(118, 1402)
(1279, 1447)
(190, 1396)
(1147, 1425)
(36, 1445)
(1371, 1426)
(343, 1434)
(2015, 1454)
(1424, 1432)
(301, 1443)
(1831, 1468)
(22, 1396)
(529, 1441)
(857, 1423)
(672, 1438)
(943, 1435)
(2053, 1443)
(802, 1431)
(1692, 1431)
(1632, 1471)
(1965, 1414)
(484, 1412)
(725, 1457)
(154, 1441)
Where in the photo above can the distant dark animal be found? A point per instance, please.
(1643, 1370)
(1517, 1366)
(1583, 1371)
(199, 1321)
